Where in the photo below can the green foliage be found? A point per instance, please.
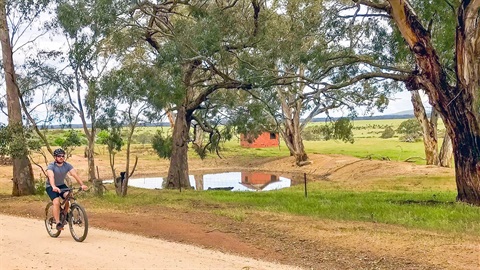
(69, 141)
(16, 141)
(427, 209)
(201, 151)
(95, 14)
(112, 139)
(338, 130)
(40, 187)
(312, 133)
(411, 130)
(143, 137)
(162, 144)
(387, 133)
(342, 130)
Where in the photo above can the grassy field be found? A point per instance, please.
(413, 202)
(366, 134)
(375, 148)
(429, 210)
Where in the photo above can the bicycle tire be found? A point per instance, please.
(50, 223)
(78, 222)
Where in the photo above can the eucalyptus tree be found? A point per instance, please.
(197, 46)
(128, 97)
(75, 67)
(110, 135)
(453, 94)
(441, 24)
(323, 67)
(21, 14)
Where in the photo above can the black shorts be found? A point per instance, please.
(52, 194)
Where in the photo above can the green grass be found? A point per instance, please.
(367, 144)
(375, 148)
(426, 202)
(424, 209)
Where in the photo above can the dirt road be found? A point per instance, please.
(25, 244)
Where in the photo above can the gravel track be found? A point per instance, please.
(25, 244)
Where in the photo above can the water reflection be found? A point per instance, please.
(234, 181)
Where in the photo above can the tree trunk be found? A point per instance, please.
(466, 154)
(429, 129)
(294, 142)
(199, 181)
(97, 184)
(457, 104)
(291, 132)
(23, 182)
(178, 170)
(127, 165)
(198, 140)
(127, 168)
(446, 152)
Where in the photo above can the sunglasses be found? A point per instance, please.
(62, 156)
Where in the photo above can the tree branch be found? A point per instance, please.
(381, 6)
(376, 15)
(364, 76)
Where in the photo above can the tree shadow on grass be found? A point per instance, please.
(422, 202)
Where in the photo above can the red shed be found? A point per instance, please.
(266, 139)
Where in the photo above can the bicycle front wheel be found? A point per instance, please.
(50, 223)
(78, 222)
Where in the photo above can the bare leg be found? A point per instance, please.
(56, 209)
(67, 204)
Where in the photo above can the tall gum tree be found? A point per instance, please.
(371, 36)
(322, 67)
(75, 68)
(456, 102)
(124, 95)
(23, 183)
(197, 43)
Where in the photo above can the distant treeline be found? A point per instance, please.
(321, 119)
(376, 117)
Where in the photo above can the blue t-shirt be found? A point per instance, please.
(59, 173)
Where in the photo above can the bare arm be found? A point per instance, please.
(51, 180)
(74, 174)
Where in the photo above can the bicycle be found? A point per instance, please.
(76, 218)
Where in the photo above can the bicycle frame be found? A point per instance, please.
(76, 217)
(69, 197)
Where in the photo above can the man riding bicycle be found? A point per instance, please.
(56, 173)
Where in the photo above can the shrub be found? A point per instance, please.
(162, 144)
(387, 133)
(338, 130)
(411, 130)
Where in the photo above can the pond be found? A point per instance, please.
(234, 181)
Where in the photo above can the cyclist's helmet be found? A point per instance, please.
(58, 151)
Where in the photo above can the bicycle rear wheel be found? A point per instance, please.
(50, 223)
(78, 222)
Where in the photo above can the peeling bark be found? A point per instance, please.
(291, 130)
(178, 170)
(446, 152)
(23, 183)
(429, 128)
(457, 104)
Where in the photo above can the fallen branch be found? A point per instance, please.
(413, 159)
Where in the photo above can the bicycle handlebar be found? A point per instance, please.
(70, 189)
